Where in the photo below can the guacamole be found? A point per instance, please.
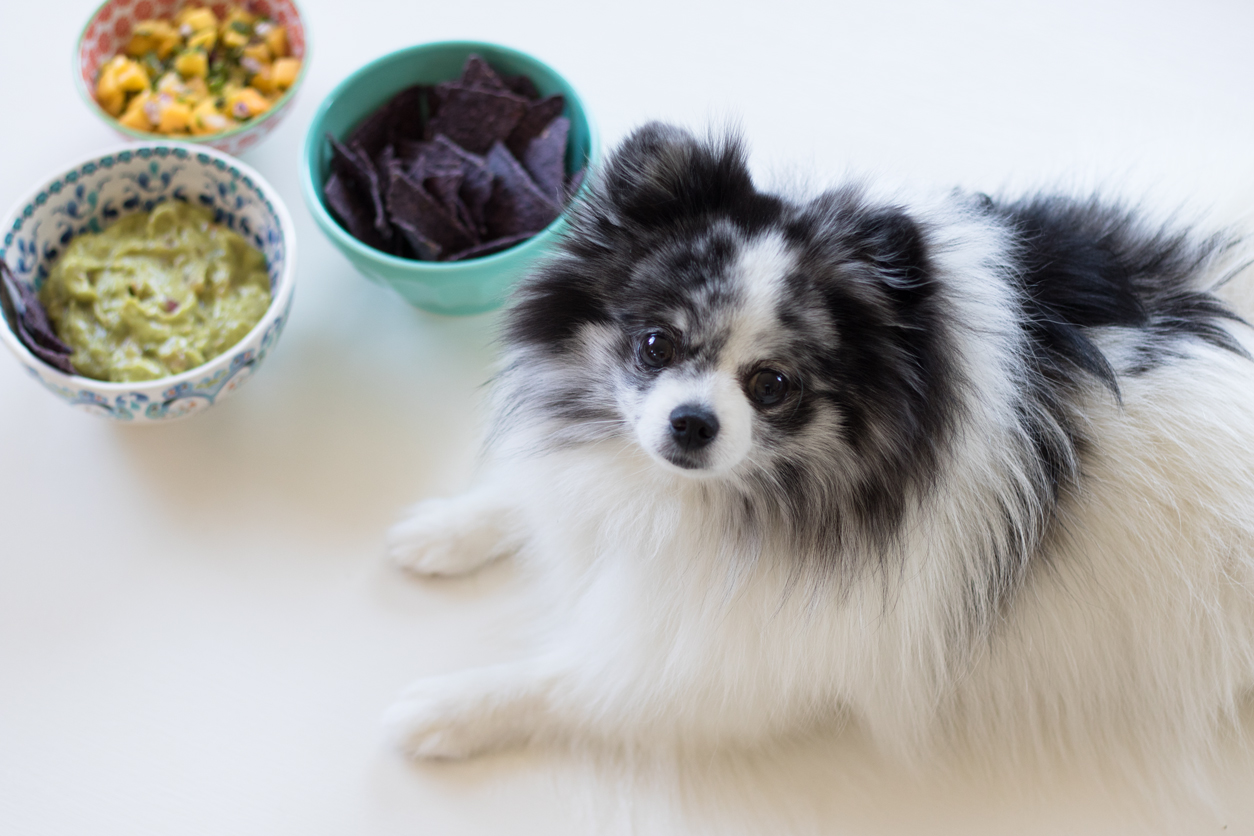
(155, 294)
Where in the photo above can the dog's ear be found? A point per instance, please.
(894, 244)
(662, 174)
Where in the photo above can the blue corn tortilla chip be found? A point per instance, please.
(540, 114)
(474, 117)
(479, 73)
(475, 193)
(437, 154)
(29, 322)
(354, 195)
(400, 118)
(408, 153)
(490, 247)
(442, 153)
(58, 360)
(10, 298)
(432, 232)
(545, 159)
(30, 312)
(383, 163)
(517, 204)
(445, 186)
(520, 85)
(352, 211)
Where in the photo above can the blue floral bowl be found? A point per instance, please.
(93, 193)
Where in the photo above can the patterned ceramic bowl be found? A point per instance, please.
(87, 197)
(109, 28)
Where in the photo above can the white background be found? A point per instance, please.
(197, 632)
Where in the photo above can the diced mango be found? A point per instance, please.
(207, 119)
(141, 43)
(113, 64)
(138, 115)
(111, 98)
(263, 80)
(233, 39)
(276, 38)
(112, 102)
(130, 77)
(237, 29)
(189, 91)
(192, 64)
(175, 117)
(284, 71)
(170, 84)
(197, 18)
(194, 89)
(246, 103)
(238, 14)
(259, 53)
(153, 36)
(204, 39)
(166, 48)
(206, 108)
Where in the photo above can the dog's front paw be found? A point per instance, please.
(455, 716)
(448, 536)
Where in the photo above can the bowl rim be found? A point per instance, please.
(278, 301)
(199, 139)
(341, 236)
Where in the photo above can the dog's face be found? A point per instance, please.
(791, 352)
(707, 380)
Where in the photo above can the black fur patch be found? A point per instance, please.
(888, 377)
(551, 312)
(1085, 264)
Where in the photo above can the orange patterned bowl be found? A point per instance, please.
(109, 29)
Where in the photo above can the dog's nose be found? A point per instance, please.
(693, 426)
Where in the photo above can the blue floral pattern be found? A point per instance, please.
(88, 198)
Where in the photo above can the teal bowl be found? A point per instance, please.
(456, 288)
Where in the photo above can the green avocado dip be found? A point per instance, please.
(155, 294)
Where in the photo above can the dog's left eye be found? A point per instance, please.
(768, 387)
(657, 350)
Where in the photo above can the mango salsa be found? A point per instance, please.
(197, 75)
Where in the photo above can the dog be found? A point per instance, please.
(965, 471)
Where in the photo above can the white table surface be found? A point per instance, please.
(197, 631)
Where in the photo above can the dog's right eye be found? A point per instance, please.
(657, 350)
(768, 387)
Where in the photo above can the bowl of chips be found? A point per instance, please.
(445, 170)
(101, 194)
(222, 74)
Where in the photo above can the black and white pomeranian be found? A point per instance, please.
(964, 469)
